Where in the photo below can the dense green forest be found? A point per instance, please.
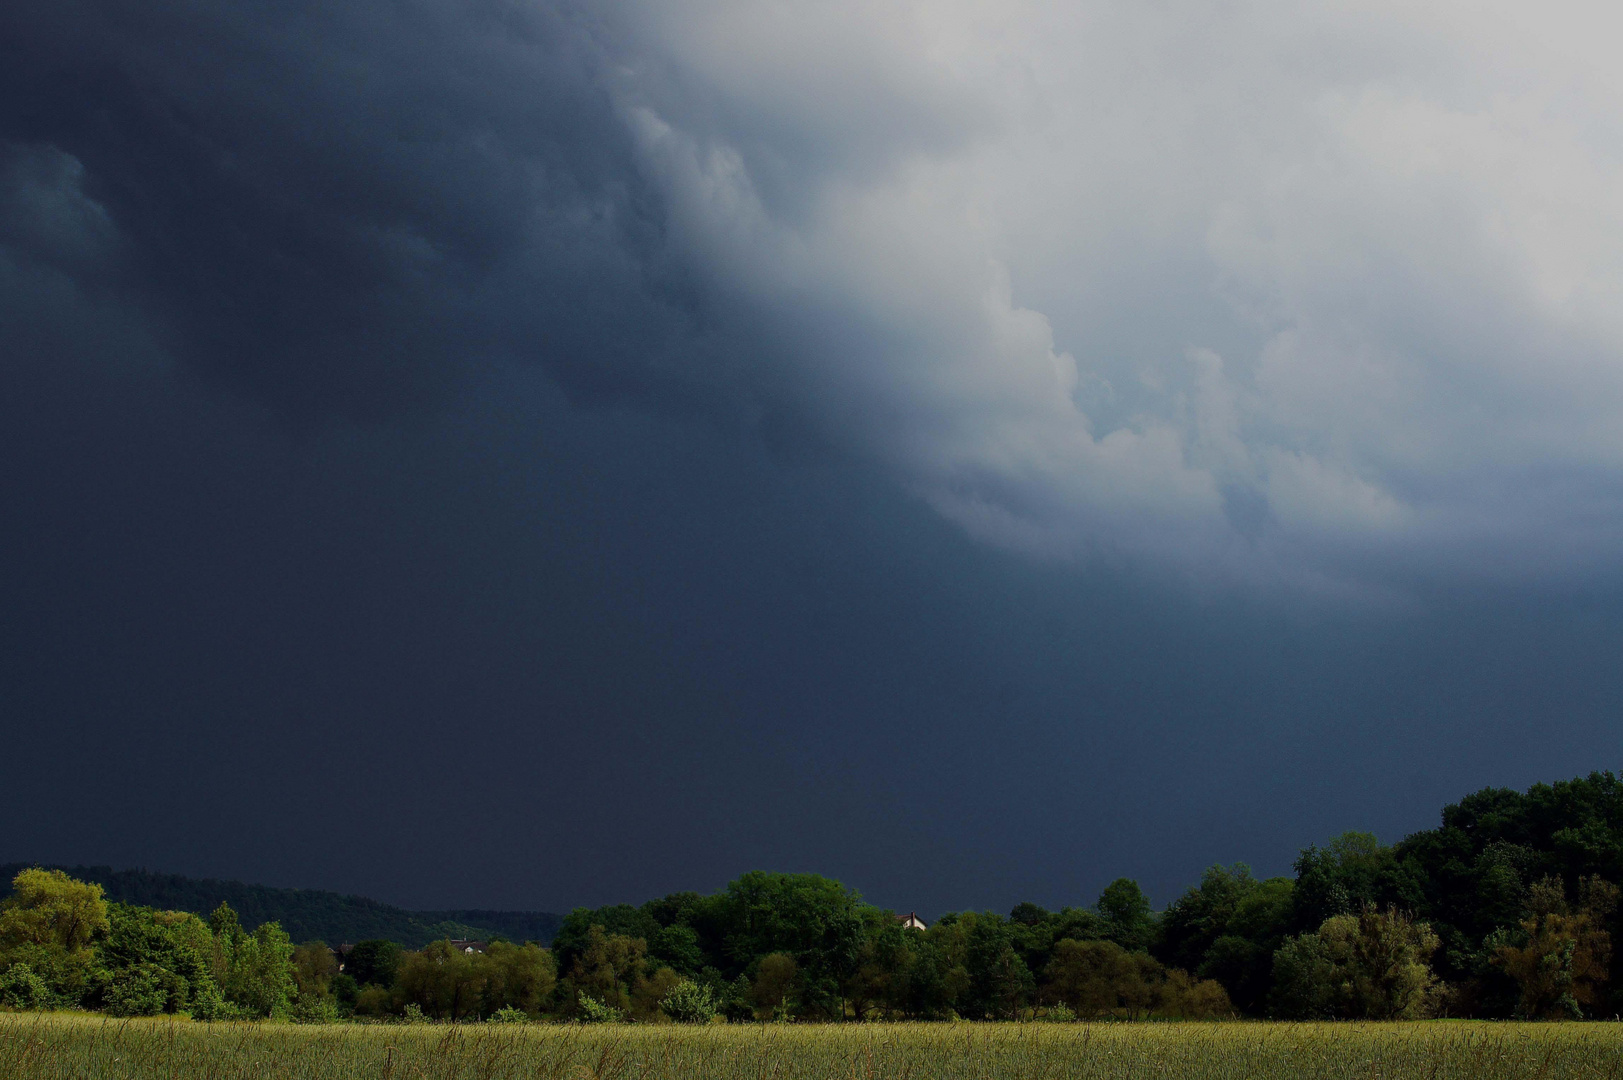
(306, 914)
(1509, 908)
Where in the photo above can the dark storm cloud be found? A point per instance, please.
(1086, 284)
(333, 208)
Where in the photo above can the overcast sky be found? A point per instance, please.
(495, 453)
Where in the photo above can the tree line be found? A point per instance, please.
(1508, 909)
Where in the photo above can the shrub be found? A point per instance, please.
(137, 990)
(648, 992)
(774, 986)
(689, 1003)
(1305, 986)
(508, 1015)
(374, 1001)
(1181, 997)
(212, 1008)
(736, 1001)
(520, 977)
(1370, 966)
(413, 1014)
(315, 1010)
(67, 975)
(152, 961)
(345, 990)
(20, 988)
(593, 1011)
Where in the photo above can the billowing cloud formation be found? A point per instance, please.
(1331, 293)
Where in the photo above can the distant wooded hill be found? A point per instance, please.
(306, 914)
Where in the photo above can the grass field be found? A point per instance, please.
(58, 1047)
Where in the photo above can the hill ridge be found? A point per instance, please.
(306, 914)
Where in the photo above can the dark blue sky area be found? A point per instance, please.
(532, 655)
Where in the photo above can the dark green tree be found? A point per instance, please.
(624, 920)
(1127, 914)
(677, 946)
(373, 962)
(1241, 959)
(1000, 983)
(1351, 871)
(1195, 920)
(816, 920)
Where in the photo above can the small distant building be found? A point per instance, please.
(910, 921)
(341, 954)
(468, 946)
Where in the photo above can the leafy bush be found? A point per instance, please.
(1060, 1014)
(735, 1002)
(311, 1009)
(413, 1014)
(1305, 986)
(67, 974)
(518, 977)
(1370, 966)
(593, 1011)
(345, 990)
(689, 1003)
(374, 1001)
(20, 988)
(137, 990)
(508, 1015)
(154, 961)
(212, 1008)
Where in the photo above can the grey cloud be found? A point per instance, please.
(1385, 237)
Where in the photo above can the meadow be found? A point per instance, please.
(58, 1047)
